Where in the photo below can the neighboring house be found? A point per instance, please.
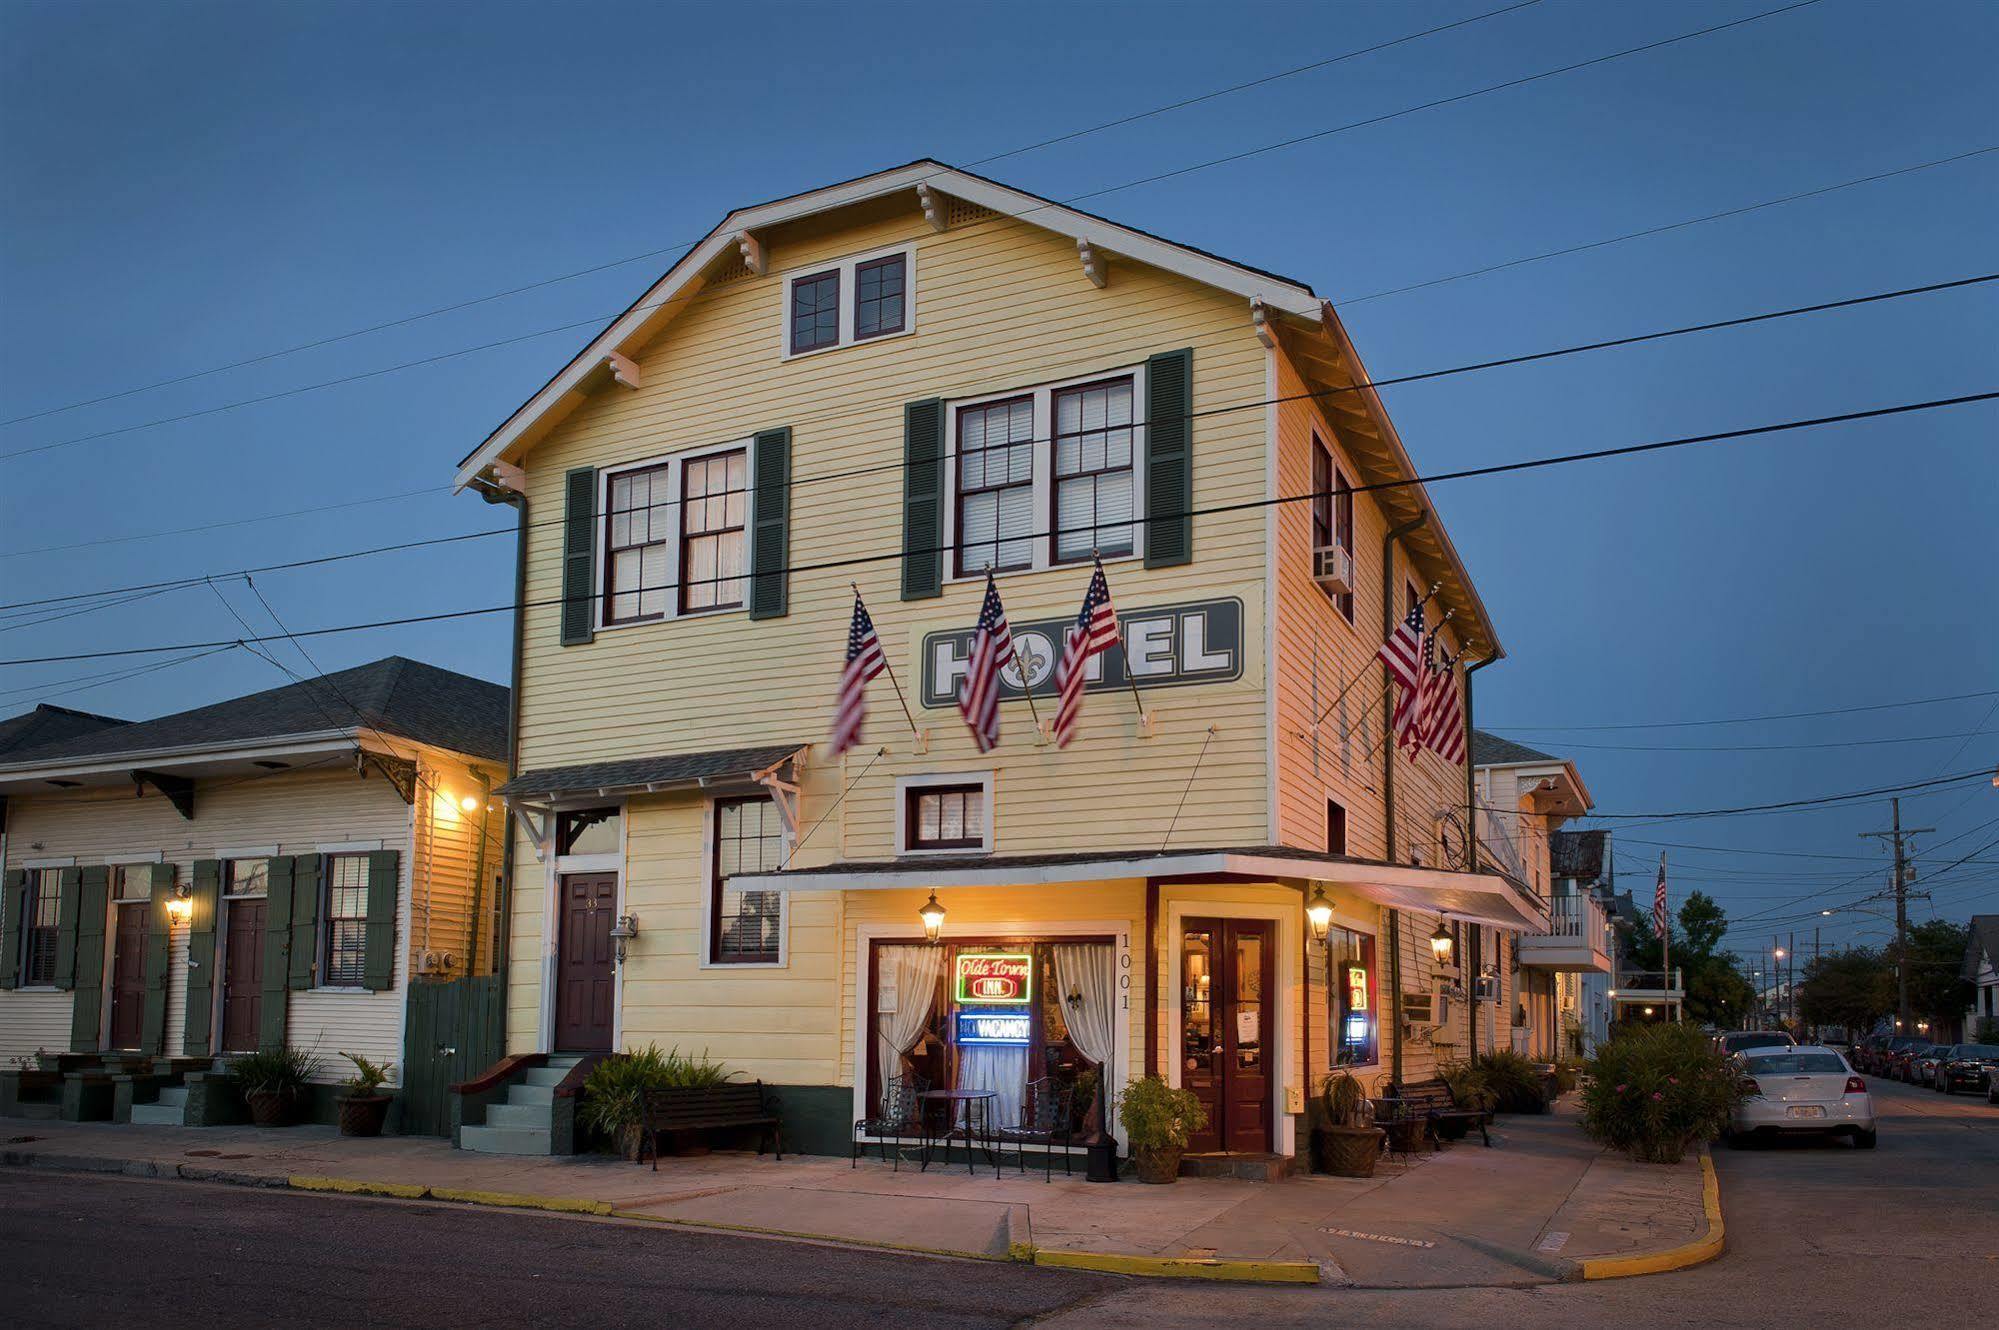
(1582, 866)
(904, 381)
(1526, 795)
(1981, 971)
(269, 870)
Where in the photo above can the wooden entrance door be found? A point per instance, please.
(583, 983)
(128, 975)
(1228, 1004)
(243, 976)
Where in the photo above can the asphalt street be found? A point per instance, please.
(1818, 1233)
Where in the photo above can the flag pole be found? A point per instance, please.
(1026, 684)
(1130, 677)
(889, 669)
(1666, 936)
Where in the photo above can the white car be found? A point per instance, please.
(1807, 1088)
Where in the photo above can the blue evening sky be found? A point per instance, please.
(186, 185)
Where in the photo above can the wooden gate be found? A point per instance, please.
(456, 1030)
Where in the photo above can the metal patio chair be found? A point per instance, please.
(901, 1117)
(1047, 1120)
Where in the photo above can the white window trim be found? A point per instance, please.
(347, 847)
(1353, 923)
(1341, 472)
(556, 865)
(706, 955)
(251, 852)
(1043, 432)
(62, 861)
(845, 268)
(675, 464)
(905, 786)
(148, 857)
(324, 911)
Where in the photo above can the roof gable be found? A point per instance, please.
(49, 725)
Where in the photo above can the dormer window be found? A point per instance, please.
(860, 299)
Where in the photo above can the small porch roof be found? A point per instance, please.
(1486, 898)
(639, 775)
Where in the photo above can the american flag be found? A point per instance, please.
(1659, 900)
(1095, 631)
(992, 651)
(864, 662)
(1411, 717)
(1402, 653)
(1444, 717)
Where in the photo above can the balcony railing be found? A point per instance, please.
(1655, 982)
(1576, 917)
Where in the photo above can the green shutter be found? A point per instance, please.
(86, 1013)
(1169, 459)
(271, 1006)
(379, 960)
(304, 918)
(13, 900)
(579, 556)
(204, 903)
(923, 499)
(67, 904)
(159, 940)
(770, 523)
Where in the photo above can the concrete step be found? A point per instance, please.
(1243, 1166)
(531, 1094)
(173, 1094)
(503, 1140)
(526, 1117)
(159, 1115)
(549, 1076)
(565, 1060)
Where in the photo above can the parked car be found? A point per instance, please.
(1923, 1066)
(1969, 1067)
(1871, 1057)
(1895, 1066)
(1802, 1088)
(1740, 1041)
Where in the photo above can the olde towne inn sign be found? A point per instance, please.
(1170, 645)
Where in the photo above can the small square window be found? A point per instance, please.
(945, 817)
(247, 877)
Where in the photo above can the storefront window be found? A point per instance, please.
(1351, 979)
(995, 1015)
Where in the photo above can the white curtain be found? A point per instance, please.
(912, 972)
(1001, 1069)
(1088, 969)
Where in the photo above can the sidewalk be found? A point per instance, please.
(1542, 1205)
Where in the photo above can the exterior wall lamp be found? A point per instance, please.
(1440, 944)
(623, 932)
(932, 915)
(179, 907)
(1319, 912)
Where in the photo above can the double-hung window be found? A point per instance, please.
(1332, 512)
(345, 935)
(996, 486)
(1094, 481)
(746, 927)
(41, 916)
(674, 535)
(638, 533)
(714, 496)
(859, 299)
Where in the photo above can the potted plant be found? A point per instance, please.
(1517, 1085)
(273, 1083)
(1347, 1143)
(1158, 1121)
(1471, 1088)
(365, 1106)
(614, 1096)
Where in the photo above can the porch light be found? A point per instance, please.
(1440, 944)
(1648, 1011)
(470, 803)
(932, 915)
(623, 931)
(179, 907)
(1319, 912)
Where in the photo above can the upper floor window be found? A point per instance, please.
(858, 299)
(1046, 476)
(41, 920)
(636, 540)
(745, 927)
(714, 496)
(674, 535)
(1336, 828)
(1332, 512)
(345, 936)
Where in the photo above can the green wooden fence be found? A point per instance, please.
(456, 1030)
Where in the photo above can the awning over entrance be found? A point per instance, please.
(646, 775)
(1486, 898)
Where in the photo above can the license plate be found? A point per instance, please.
(1806, 1111)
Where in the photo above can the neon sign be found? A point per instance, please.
(993, 1027)
(1006, 979)
(1356, 988)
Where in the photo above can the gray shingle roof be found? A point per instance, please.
(1489, 750)
(639, 772)
(49, 725)
(404, 698)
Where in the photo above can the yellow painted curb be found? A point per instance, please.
(354, 1187)
(1704, 1248)
(571, 1205)
(1181, 1267)
(1013, 1253)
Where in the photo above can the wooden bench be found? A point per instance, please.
(713, 1108)
(1432, 1102)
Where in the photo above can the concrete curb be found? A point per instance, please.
(1181, 1267)
(867, 1244)
(1704, 1248)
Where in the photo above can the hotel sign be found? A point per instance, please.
(993, 1027)
(1356, 988)
(994, 980)
(1170, 646)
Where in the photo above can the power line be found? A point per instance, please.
(1777, 748)
(685, 246)
(1112, 189)
(1737, 720)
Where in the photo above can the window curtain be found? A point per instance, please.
(1088, 969)
(998, 1068)
(913, 972)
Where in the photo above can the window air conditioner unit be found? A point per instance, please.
(1332, 568)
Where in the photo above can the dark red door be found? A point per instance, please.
(583, 984)
(1227, 1003)
(128, 975)
(243, 976)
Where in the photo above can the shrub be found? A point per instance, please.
(1158, 1116)
(1568, 1075)
(614, 1094)
(1470, 1087)
(1515, 1082)
(369, 1076)
(282, 1071)
(1653, 1090)
(1988, 1030)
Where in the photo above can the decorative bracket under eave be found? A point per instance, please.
(179, 790)
(539, 825)
(623, 372)
(400, 771)
(933, 207)
(1093, 263)
(1259, 318)
(783, 793)
(509, 477)
(752, 250)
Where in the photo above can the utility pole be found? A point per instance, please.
(1903, 874)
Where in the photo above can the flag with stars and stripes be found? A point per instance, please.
(992, 651)
(1410, 716)
(1094, 631)
(864, 662)
(1659, 900)
(1444, 723)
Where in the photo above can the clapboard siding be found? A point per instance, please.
(444, 871)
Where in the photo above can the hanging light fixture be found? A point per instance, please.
(1319, 911)
(1440, 944)
(932, 915)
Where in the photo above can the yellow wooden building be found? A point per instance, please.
(895, 385)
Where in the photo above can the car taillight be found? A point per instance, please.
(1749, 1085)
(1854, 1085)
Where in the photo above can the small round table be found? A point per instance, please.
(959, 1123)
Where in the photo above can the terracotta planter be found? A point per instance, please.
(1157, 1163)
(363, 1115)
(273, 1108)
(1346, 1152)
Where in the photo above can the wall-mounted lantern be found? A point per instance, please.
(179, 907)
(932, 915)
(623, 932)
(1440, 944)
(1319, 912)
